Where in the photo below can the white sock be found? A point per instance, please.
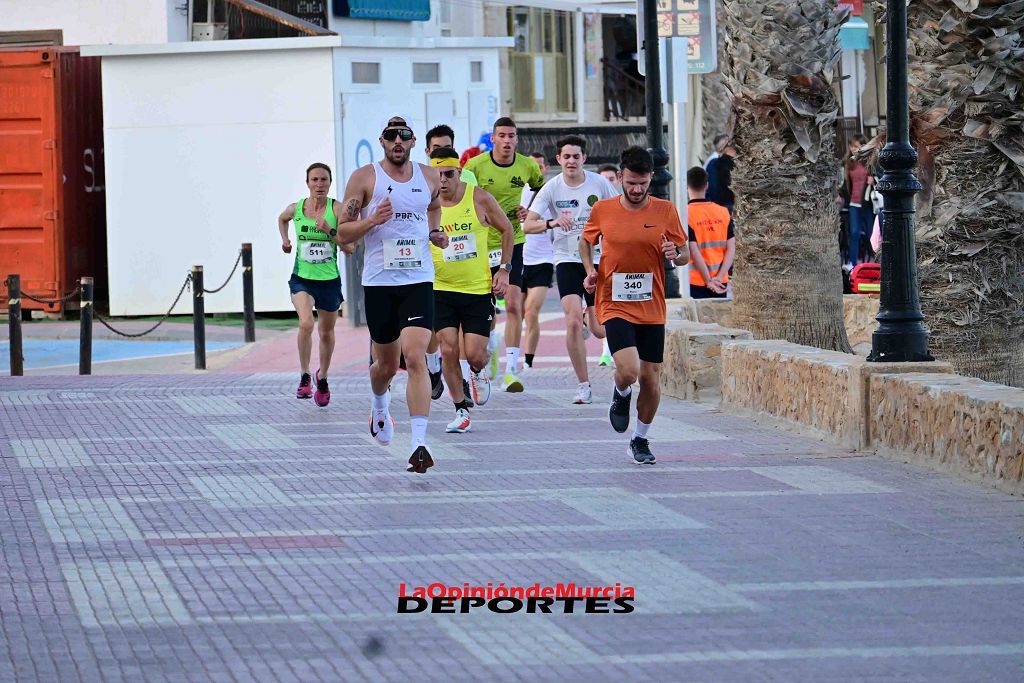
(494, 341)
(419, 431)
(624, 392)
(512, 359)
(434, 361)
(465, 369)
(605, 351)
(641, 430)
(382, 402)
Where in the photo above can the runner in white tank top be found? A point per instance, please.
(394, 207)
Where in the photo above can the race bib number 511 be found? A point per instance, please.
(632, 286)
(402, 254)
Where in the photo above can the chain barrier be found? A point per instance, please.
(231, 275)
(184, 286)
(75, 292)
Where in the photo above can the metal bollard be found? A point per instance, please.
(248, 305)
(85, 332)
(14, 321)
(199, 317)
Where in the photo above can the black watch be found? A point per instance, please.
(547, 223)
(332, 232)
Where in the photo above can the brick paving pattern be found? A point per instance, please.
(214, 528)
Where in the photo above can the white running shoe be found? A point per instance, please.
(481, 387)
(583, 394)
(461, 423)
(493, 361)
(382, 426)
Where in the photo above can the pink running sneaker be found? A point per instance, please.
(322, 395)
(305, 389)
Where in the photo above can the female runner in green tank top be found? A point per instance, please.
(315, 280)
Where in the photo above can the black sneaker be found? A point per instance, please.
(467, 394)
(618, 411)
(436, 386)
(640, 451)
(420, 460)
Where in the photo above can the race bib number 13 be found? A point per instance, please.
(402, 254)
(632, 286)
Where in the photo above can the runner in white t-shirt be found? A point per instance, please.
(538, 273)
(566, 201)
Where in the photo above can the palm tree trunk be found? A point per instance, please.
(967, 94)
(715, 96)
(779, 65)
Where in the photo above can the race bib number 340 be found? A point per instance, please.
(402, 254)
(632, 286)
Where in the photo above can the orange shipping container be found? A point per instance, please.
(52, 199)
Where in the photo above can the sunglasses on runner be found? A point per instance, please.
(392, 134)
(448, 174)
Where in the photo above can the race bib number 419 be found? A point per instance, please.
(402, 254)
(632, 286)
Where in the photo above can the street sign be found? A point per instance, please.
(692, 19)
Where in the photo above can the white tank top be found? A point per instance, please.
(398, 252)
(536, 248)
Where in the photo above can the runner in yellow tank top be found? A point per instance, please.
(463, 283)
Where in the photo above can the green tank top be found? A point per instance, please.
(463, 266)
(316, 254)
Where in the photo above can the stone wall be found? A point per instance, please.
(859, 311)
(693, 368)
(958, 423)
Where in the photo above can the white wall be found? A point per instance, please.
(89, 22)
(203, 151)
(469, 108)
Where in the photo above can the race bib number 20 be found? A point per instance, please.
(632, 286)
(460, 248)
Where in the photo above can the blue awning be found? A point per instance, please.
(854, 34)
(394, 10)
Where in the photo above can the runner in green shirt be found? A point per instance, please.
(504, 173)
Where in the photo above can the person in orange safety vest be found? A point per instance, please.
(712, 241)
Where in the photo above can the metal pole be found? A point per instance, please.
(248, 305)
(14, 324)
(655, 125)
(901, 335)
(198, 317)
(85, 331)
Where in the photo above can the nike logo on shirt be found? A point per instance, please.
(415, 317)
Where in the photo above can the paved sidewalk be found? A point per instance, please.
(213, 528)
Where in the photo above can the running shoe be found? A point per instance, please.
(606, 360)
(640, 450)
(586, 332)
(436, 385)
(512, 383)
(461, 423)
(467, 395)
(499, 306)
(583, 394)
(492, 362)
(420, 460)
(382, 426)
(481, 388)
(305, 389)
(618, 411)
(322, 395)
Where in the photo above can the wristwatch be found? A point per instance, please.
(547, 223)
(507, 267)
(332, 232)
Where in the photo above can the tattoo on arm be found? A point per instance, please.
(352, 209)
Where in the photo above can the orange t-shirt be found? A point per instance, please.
(631, 243)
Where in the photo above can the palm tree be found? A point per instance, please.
(716, 102)
(967, 98)
(779, 65)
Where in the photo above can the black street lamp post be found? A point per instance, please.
(901, 335)
(655, 125)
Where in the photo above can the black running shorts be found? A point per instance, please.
(570, 278)
(515, 277)
(472, 312)
(326, 293)
(539, 275)
(649, 340)
(389, 309)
